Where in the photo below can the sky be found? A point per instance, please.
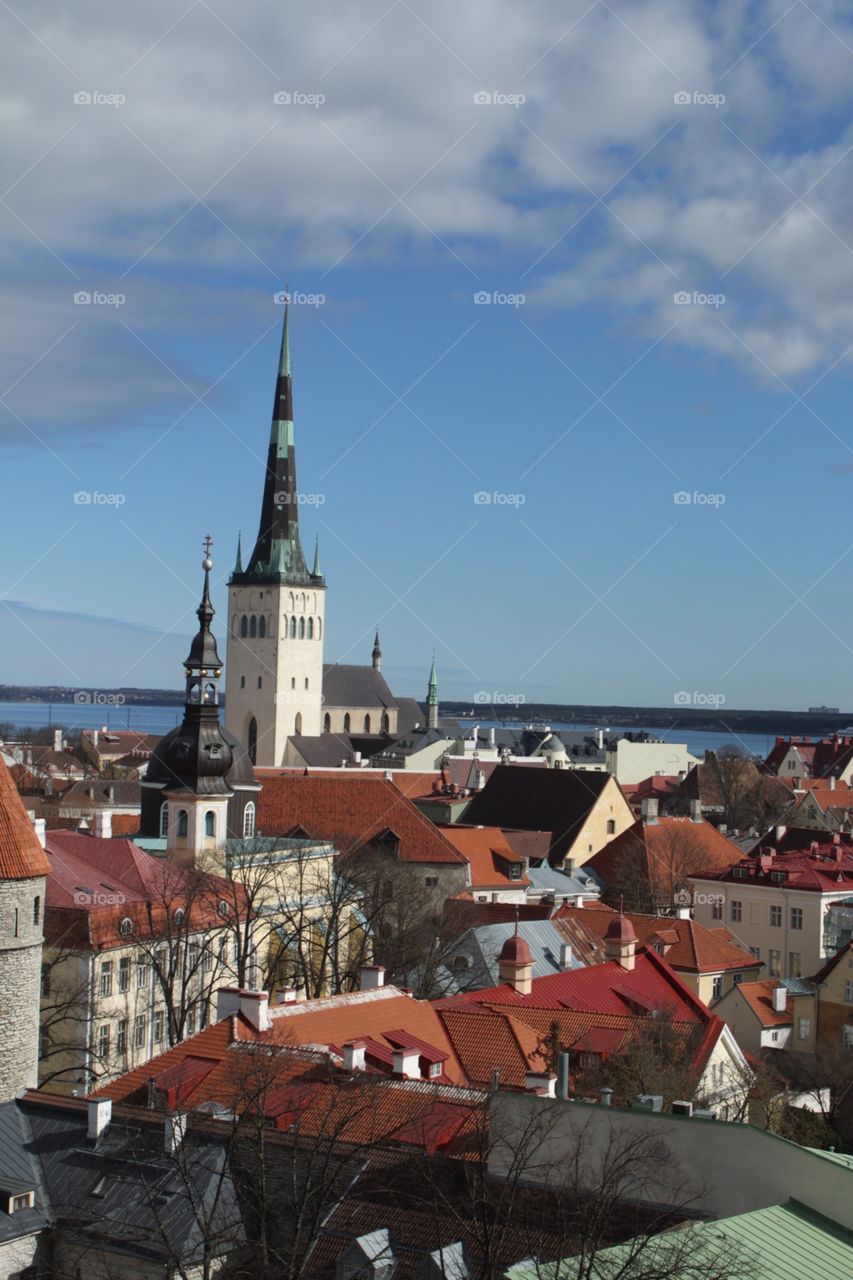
(571, 318)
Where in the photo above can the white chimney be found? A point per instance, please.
(286, 995)
(104, 824)
(492, 736)
(695, 810)
(100, 1114)
(407, 1063)
(388, 775)
(541, 1082)
(601, 739)
(254, 1006)
(174, 1131)
(57, 739)
(372, 976)
(354, 1055)
(94, 737)
(780, 999)
(780, 832)
(39, 826)
(565, 955)
(832, 783)
(649, 809)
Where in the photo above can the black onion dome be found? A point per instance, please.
(168, 763)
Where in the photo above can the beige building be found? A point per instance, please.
(632, 762)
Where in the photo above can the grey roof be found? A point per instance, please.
(125, 791)
(19, 1172)
(346, 686)
(483, 945)
(547, 879)
(409, 713)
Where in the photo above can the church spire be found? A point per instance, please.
(317, 572)
(432, 698)
(278, 553)
(238, 563)
(377, 653)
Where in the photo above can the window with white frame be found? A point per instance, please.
(804, 1028)
(124, 973)
(140, 1027)
(776, 917)
(847, 1036)
(717, 986)
(848, 992)
(717, 908)
(735, 911)
(105, 986)
(103, 1040)
(796, 917)
(249, 820)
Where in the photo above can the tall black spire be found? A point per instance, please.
(278, 554)
(377, 653)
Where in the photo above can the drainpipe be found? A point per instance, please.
(563, 1076)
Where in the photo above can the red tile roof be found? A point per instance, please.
(667, 849)
(687, 946)
(351, 812)
(21, 855)
(488, 854)
(828, 868)
(759, 997)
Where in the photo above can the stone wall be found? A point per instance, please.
(20, 982)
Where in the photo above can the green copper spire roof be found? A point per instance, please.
(317, 572)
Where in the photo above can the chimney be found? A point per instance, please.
(254, 1006)
(605, 1095)
(372, 977)
(563, 1076)
(481, 779)
(492, 736)
(832, 783)
(780, 832)
(94, 737)
(565, 955)
(354, 1055)
(100, 1114)
(174, 1131)
(649, 810)
(389, 776)
(695, 810)
(57, 739)
(407, 1063)
(286, 995)
(111, 794)
(542, 1082)
(39, 826)
(104, 825)
(780, 999)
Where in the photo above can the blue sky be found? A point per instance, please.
(581, 399)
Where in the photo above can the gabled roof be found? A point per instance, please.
(759, 998)
(489, 856)
(825, 868)
(555, 800)
(823, 974)
(351, 813)
(686, 945)
(355, 687)
(21, 855)
(668, 849)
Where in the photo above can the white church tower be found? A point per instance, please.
(276, 608)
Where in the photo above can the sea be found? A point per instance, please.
(160, 719)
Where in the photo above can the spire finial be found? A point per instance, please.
(284, 361)
(317, 572)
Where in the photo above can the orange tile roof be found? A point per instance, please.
(21, 855)
(704, 849)
(759, 997)
(686, 945)
(484, 849)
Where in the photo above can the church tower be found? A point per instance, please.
(23, 867)
(276, 608)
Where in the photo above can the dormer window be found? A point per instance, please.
(16, 1201)
(739, 873)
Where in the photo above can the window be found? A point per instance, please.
(262, 627)
(121, 1036)
(717, 986)
(737, 979)
(103, 1040)
(386, 723)
(774, 963)
(183, 824)
(755, 951)
(260, 682)
(431, 881)
(795, 965)
(253, 627)
(157, 1026)
(124, 973)
(435, 1068)
(611, 827)
(774, 1036)
(26, 1200)
(310, 628)
(45, 979)
(192, 958)
(242, 682)
(179, 916)
(140, 1026)
(293, 628)
(796, 917)
(776, 917)
(206, 960)
(36, 909)
(142, 972)
(190, 1024)
(346, 723)
(126, 927)
(327, 723)
(244, 626)
(164, 820)
(106, 983)
(717, 909)
(249, 820)
(848, 992)
(367, 724)
(735, 911)
(804, 1028)
(847, 1036)
(301, 628)
(210, 824)
(202, 1014)
(252, 743)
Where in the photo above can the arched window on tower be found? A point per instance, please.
(284, 626)
(271, 627)
(37, 910)
(327, 723)
(346, 723)
(249, 820)
(210, 824)
(244, 626)
(367, 724)
(262, 627)
(297, 724)
(164, 820)
(301, 628)
(319, 629)
(293, 628)
(253, 740)
(183, 824)
(386, 723)
(310, 628)
(253, 627)
(210, 693)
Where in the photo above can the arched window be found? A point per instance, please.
(244, 626)
(284, 626)
(253, 627)
(210, 823)
(319, 629)
(223, 907)
(210, 693)
(367, 724)
(183, 823)
(346, 723)
(271, 627)
(249, 819)
(327, 723)
(301, 628)
(242, 682)
(310, 628)
(297, 724)
(164, 819)
(293, 628)
(126, 927)
(253, 740)
(262, 627)
(179, 915)
(386, 723)
(36, 909)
